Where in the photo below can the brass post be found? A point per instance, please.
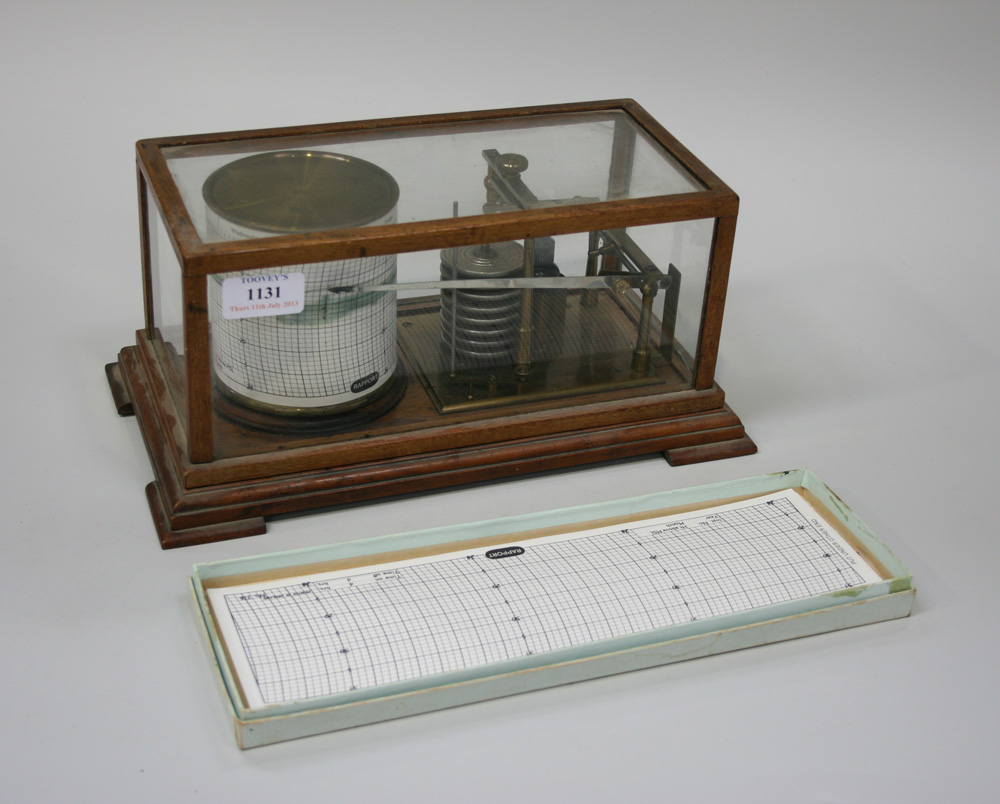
(640, 355)
(523, 368)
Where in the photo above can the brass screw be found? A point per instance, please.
(512, 164)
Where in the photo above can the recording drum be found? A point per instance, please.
(312, 352)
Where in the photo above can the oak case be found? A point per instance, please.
(614, 240)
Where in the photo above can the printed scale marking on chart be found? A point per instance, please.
(347, 630)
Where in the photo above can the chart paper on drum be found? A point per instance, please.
(336, 632)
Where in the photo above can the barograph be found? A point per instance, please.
(341, 312)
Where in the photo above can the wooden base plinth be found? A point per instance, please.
(713, 451)
(230, 497)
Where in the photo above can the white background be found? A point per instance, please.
(860, 341)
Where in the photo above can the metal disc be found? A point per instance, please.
(301, 191)
(483, 261)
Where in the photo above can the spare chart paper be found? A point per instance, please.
(334, 632)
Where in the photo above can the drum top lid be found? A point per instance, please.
(285, 192)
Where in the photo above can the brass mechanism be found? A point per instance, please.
(510, 327)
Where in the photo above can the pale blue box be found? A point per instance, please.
(888, 599)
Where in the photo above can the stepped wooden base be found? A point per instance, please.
(229, 498)
(713, 451)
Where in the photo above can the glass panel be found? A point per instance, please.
(168, 309)
(687, 248)
(331, 181)
(332, 352)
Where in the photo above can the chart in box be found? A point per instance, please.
(334, 632)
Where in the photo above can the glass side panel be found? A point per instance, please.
(332, 352)
(688, 245)
(167, 339)
(265, 187)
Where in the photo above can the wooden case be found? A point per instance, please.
(602, 194)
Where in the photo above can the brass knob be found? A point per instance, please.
(513, 164)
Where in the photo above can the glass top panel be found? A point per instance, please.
(289, 185)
